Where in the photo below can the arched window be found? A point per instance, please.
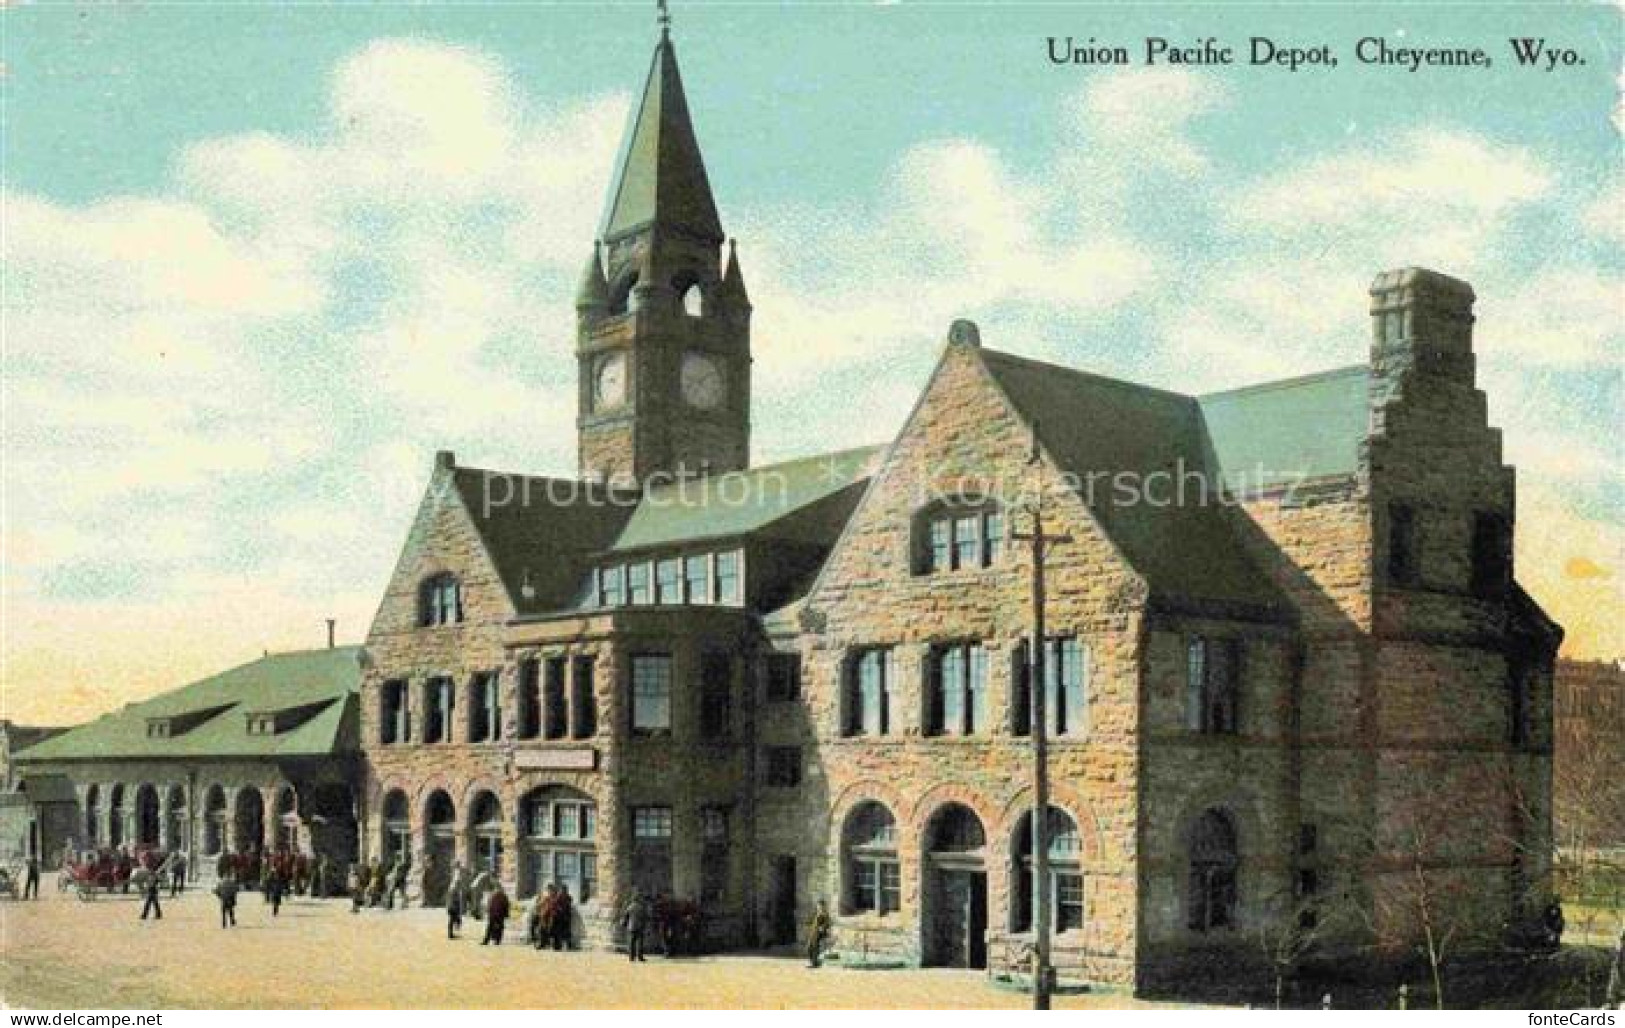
(397, 826)
(869, 854)
(441, 601)
(1065, 872)
(1213, 859)
(93, 815)
(115, 816)
(485, 833)
(558, 828)
(957, 535)
(214, 820)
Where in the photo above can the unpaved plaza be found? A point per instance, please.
(60, 953)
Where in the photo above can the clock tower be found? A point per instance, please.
(662, 318)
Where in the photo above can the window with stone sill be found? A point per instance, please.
(1066, 688)
(873, 873)
(950, 537)
(1213, 684)
(870, 679)
(956, 696)
(440, 601)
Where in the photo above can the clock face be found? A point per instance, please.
(703, 386)
(609, 382)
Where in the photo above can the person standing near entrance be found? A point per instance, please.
(817, 935)
(454, 913)
(636, 923)
(496, 916)
(31, 880)
(560, 924)
(152, 889)
(227, 891)
(177, 873)
(275, 886)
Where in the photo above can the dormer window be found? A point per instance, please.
(261, 724)
(953, 538)
(158, 728)
(441, 601)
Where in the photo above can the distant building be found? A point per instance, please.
(26, 811)
(262, 756)
(1589, 771)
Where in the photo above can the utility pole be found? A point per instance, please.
(1037, 708)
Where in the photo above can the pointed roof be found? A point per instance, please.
(661, 179)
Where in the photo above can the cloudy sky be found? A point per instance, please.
(261, 262)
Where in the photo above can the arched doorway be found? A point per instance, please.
(175, 819)
(328, 812)
(148, 823)
(557, 830)
(439, 846)
(485, 834)
(93, 816)
(397, 836)
(955, 909)
(214, 821)
(248, 821)
(287, 819)
(115, 816)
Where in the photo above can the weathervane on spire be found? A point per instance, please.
(664, 18)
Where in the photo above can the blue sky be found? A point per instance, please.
(264, 260)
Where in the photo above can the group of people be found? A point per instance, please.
(376, 884)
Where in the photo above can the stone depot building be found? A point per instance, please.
(1291, 677)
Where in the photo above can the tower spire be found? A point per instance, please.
(664, 19)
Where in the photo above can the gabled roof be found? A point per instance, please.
(541, 532)
(326, 679)
(661, 177)
(1099, 428)
(1294, 430)
(741, 502)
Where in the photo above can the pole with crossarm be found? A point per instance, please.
(1037, 706)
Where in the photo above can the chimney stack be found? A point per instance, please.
(331, 625)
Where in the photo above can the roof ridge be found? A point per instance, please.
(1287, 383)
(1092, 376)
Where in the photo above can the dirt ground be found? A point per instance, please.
(60, 953)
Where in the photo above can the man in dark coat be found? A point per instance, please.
(817, 935)
(177, 873)
(154, 888)
(496, 916)
(559, 925)
(636, 923)
(454, 913)
(227, 891)
(275, 886)
(31, 880)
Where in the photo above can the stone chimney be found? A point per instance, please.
(1421, 325)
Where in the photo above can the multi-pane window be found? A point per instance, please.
(560, 826)
(583, 701)
(956, 539)
(1065, 849)
(651, 850)
(611, 585)
(697, 577)
(870, 675)
(485, 708)
(1066, 688)
(784, 766)
(1492, 556)
(783, 676)
(730, 592)
(530, 699)
(639, 590)
(437, 718)
(395, 718)
(440, 601)
(716, 687)
(669, 581)
(958, 693)
(1403, 559)
(651, 692)
(1211, 896)
(554, 708)
(1212, 678)
(651, 822)
(873, 872)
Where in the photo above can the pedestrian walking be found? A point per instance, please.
(31, 878)
(275, 887)
(454, 913)
(226, 890)
(496, 917)
(177, 873)
(817, 935)
(152, 890)
(397, 883)
(636, 923)
(536, 923)
(358, 887)
(559, 924)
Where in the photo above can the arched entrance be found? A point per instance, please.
(328, 811)
(955, 909)
(287, 819)
(93, 816)
(214, 821)
(485, 834)
(248, 821)
(439, 847)
(148, 823)
(115, 816)
(175, 819)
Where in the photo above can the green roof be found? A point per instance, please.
(1098, 429)
(661, 177)
(1293, 430)
(209, 718)
(741, 502)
